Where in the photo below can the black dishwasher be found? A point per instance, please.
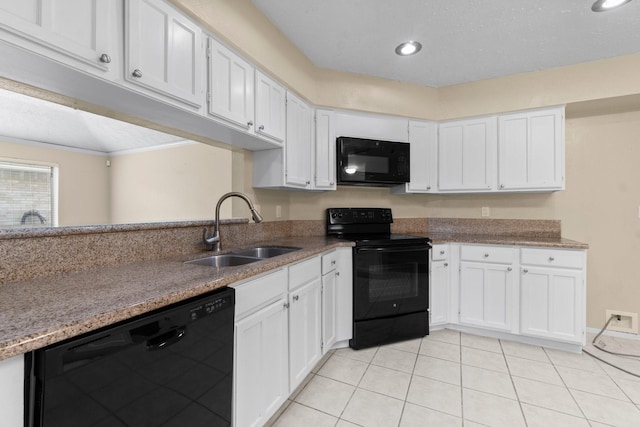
(172, 367)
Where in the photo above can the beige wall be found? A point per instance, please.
(83, 187)
(181, 182)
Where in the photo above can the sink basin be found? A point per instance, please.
(266, 252)
(224, 260)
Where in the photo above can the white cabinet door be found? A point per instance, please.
(12, 391)
(298, 143)
(531, 150)
(231, 81)
(164, 51)
(466, 154)
(344, 294)
(423, 138)
(439, 292)
(329, 297)
(324, 158)
(261, 365)
(84, 31)
(371, 126)
(552, 303)
(270, 103)
(305, 331)
(486, 295)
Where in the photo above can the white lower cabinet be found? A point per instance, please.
(282, 319)
(12, 391)
(439, 283)
(546, 300)
(553, 295)
(261, 359)
(485, 295)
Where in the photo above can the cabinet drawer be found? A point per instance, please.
(503, 255)
(329, 262)
(304, 272)
(439, 252)
(553, 257)
(258, 293)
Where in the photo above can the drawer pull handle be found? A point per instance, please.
(333, 262)
(296, 297)
(446, 264)
(337, 273)
(286, 305)
(551, 259)
(486, 255)
(509, 268)
(441, 252)
(525, 271)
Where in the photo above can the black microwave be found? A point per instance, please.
(371, 162)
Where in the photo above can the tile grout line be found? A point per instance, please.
(506, 362)
(566, 386)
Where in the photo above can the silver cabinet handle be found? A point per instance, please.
(286, 305)
(551, 259)
(501, 185)
(104, 58)
(308, 182)
(446, 264)
(486, 255)
(509, 268)
(332, 183)
(337, 273)
(333, 262)
(261, 127)
(441, 252)
(296, 297)
(137, 73)
(525, 271)
(428, 187)
(250, 123)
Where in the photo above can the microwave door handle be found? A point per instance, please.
(395, 249)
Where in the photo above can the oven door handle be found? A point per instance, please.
(394, 249)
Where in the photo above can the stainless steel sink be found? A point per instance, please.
(224, 260)
(266, 251)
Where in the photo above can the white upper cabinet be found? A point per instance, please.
(467, 154)
(531, 150)
(231, 80)
(423, 137)
(324, 154)
(270, 108)
(371, 126)
(164, 51)
(80, 33)
(298, 143)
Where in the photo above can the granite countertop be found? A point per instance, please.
(39, 312)
(498, 239)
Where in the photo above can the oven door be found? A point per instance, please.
(389, 281)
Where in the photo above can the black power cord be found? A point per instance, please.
(593, 342)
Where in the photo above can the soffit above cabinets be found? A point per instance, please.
(463, 40)
(31, 119)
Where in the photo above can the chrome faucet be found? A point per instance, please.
(214, 241)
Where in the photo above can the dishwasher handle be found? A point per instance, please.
(167, 339)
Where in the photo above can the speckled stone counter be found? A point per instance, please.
(60, 283)
(46, 310)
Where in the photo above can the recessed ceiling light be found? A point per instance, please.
(604, 5)
(408, 48)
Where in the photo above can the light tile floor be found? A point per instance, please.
(455, 379)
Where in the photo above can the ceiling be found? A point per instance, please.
(463, 40)
(35, 120)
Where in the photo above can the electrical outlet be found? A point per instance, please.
(628, 321)
(485, 211)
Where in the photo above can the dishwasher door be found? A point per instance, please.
(172, 367)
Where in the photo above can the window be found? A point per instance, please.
(28, 194)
